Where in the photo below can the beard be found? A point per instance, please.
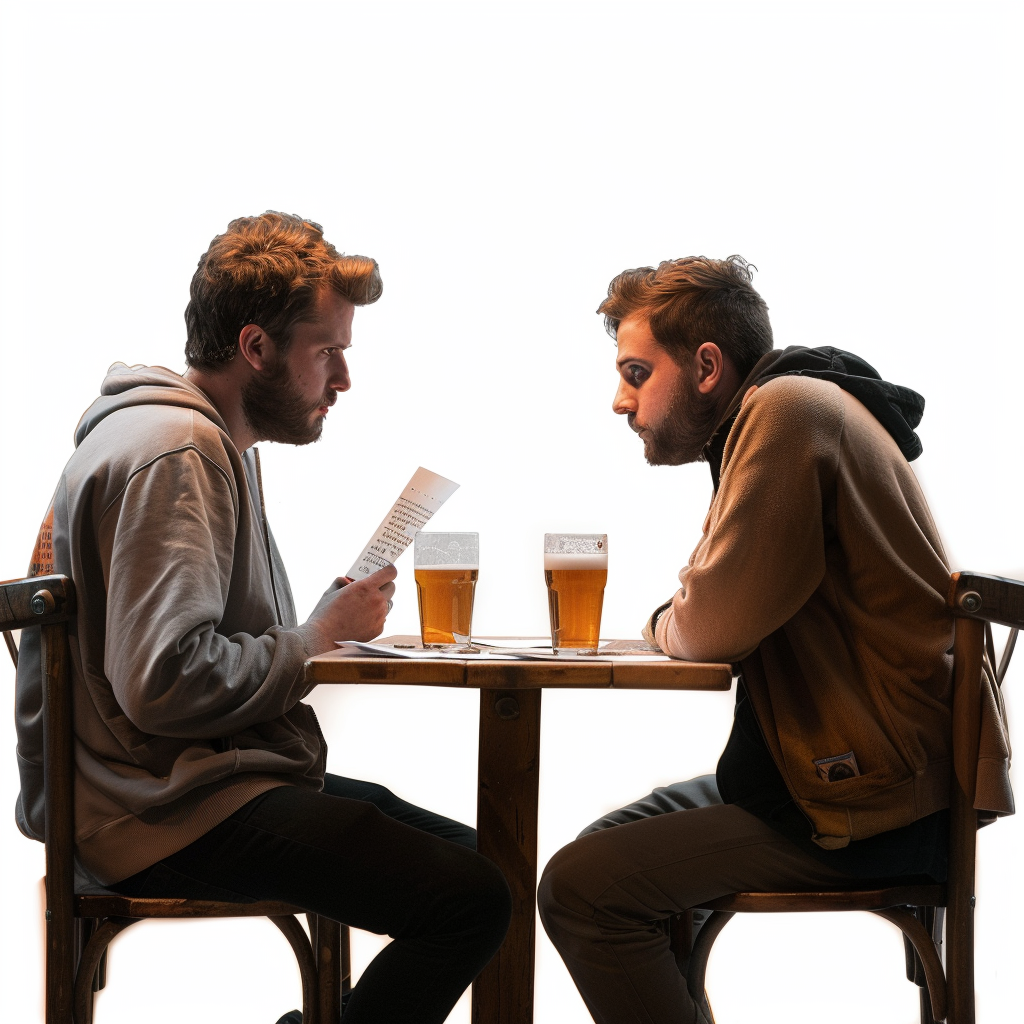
(680, 436)
(276, 410)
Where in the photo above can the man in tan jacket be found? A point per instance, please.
(821, 576)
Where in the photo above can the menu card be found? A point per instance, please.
(424, 494)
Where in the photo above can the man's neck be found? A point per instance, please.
(726, 392)
(223, 388)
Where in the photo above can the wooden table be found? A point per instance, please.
(508, 773)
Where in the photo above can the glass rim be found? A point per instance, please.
(467, 542)
(579, 543)
(446, 533)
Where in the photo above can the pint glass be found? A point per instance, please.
(446, 568)
(575, 571)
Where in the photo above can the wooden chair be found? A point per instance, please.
(80, 925)
(918, 910)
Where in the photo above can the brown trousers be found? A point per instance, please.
(604, 898)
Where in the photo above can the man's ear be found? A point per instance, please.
(256, 348)
(708, 367)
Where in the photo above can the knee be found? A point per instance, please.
(483, 903)
(378, 795)
(495, 895)
(561, 898)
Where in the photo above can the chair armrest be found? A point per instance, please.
(974, 595)
(38, 601)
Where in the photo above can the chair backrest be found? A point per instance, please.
(977, 601)
(49, 603)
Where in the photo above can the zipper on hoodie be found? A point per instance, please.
(266, 533)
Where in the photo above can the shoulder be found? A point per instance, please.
(136, 436)
(794, 395)
(788, 422)
(791, 411)
(168, 442)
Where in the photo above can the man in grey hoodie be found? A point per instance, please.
(199, 772)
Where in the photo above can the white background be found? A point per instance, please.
(503, 162)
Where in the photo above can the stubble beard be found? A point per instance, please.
(276, 410)
(681, 436)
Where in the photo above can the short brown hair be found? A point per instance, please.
(690, 301)
(267, 270)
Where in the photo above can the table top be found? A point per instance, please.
(479, 672)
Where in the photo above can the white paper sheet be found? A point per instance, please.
(483, 652)
(424, 494)
(455, 652)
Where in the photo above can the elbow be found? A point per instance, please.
(690, 640)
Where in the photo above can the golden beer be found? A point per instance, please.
(445, 597)
(575, 596)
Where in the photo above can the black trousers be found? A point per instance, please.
(603, 898)
(358, 854)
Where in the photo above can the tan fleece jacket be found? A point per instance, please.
(820, 571)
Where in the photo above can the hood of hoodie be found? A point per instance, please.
(127, 386)
(897, 408)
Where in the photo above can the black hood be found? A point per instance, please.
(897, 408)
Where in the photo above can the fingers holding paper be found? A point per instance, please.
(354, 610)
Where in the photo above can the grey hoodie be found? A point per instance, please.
(186, 657)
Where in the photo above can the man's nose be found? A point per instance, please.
(340, 377)
(623, 402)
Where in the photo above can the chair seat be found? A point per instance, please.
(114, 905)
(855, 899)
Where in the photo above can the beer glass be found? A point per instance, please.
(575, 571)
(446, 568)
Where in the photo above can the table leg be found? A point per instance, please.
(331, 952)
(508, 772)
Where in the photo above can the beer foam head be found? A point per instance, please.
(447, 550)
(553, 561)
(576, 544)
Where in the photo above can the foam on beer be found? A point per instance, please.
(554, 562)
(451, 566)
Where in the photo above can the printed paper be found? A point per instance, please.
(424, 494)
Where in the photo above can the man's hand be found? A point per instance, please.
(354, 610)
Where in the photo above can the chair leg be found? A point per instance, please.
(924, 948)
(331, 952)
(698, 966)
(89, 965)
(931, 918)
(292, 931)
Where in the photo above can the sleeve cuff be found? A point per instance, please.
(652, 624)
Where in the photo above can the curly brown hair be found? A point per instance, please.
(267, 270)
(693, 300)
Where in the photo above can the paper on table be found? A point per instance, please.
(424, 494)
(456, 652)
(473, 651)
(572, 654)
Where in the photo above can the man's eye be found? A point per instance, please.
(636, 375)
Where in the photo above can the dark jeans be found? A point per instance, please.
(358, 854)
(603, 898)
